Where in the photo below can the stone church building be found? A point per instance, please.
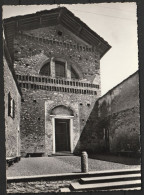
(56, 58)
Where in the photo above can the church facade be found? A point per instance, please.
(56, 58)
(57, 62)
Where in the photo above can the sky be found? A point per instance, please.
(116, 23)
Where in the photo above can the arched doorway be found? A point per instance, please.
(62, 117)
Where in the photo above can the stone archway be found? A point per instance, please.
(62, 120)
(61, 110)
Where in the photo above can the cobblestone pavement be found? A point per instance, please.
(38, 186)
(59, 164)
(52, 165)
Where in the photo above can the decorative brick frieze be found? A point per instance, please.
(55, 88)
(55, 81)
(57, 42)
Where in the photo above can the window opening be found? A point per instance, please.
(74, 75)
(60, 69)
(11, 106)
(45, 70)
(59, 33)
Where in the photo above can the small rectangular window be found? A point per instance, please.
(13, 109)
(59, 69)
(11, 106)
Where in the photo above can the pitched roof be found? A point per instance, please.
(55, 16)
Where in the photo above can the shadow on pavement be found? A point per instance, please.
(116, 159)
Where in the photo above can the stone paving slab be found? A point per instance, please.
(59, 164)
(120, 184)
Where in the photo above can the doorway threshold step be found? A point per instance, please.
(63, 154)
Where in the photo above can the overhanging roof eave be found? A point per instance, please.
(64, 17)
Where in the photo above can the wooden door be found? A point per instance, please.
(62, 134)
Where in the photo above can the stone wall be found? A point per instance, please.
(36, 122)
(40, 93)
(12, 123)
(33, 48)
(115, 120)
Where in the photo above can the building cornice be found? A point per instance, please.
(53, 17)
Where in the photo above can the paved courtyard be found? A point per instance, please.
(59, 164)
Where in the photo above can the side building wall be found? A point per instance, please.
(115, 120)
(12, 113)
